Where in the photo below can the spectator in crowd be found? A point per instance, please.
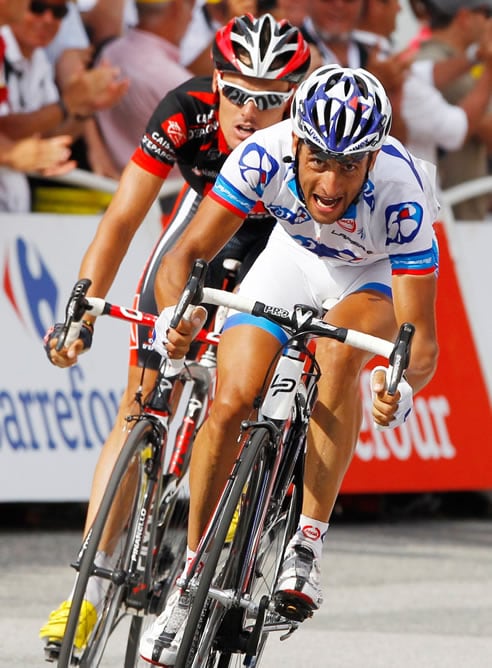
(208, 17)
(34, 101)
(295, 11)
(458, 25)
(330, 30)
(106, 19)
(148, 56)
(48, 156)
(431, 123)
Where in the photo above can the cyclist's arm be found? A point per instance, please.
(414, 299)
(136, 192)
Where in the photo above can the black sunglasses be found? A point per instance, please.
(39, 7)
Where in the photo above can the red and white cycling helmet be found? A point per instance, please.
(261, 48)
(341, 111)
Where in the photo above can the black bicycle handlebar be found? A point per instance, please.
(400, 357)
(75, 309)
(301, 320)
(192, 293)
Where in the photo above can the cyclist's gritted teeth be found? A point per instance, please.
(326, 203)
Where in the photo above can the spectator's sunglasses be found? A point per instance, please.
(39, 7)
(485, 11)
(262, 99)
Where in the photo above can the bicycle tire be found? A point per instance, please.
(200, 645)
(136, 444)
(281, 520)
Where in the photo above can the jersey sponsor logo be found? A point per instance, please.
(205, 118)
(175, 129)
(30, 287)
(403, 222)
(368, 195)
(347, 224)
(294, 217)
(158, 151)
(351, 241)
(203, 131)
(321, 250)
(257, 168)
(310, 532)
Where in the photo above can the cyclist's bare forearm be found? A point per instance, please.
(137, 191)
(414, 298)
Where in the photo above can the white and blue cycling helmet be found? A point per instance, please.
(341, 112)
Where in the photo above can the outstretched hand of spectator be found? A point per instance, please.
(90, 90)
(390, 71)
(50, 157)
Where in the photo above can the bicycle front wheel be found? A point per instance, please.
(120, 524)
(232, 630)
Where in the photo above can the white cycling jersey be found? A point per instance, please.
(393, 219)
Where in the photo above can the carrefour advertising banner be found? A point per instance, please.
(54, 421)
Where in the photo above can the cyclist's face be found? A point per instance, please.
(329, 186)
(238, 121)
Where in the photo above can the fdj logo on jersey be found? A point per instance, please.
(257, 168)
(29, 287)
(403, 221)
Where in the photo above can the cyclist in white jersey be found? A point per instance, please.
(355, 212)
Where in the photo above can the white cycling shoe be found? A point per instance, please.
(159, 644)
(298, 591)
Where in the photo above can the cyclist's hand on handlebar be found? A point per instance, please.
(175, 343)
(67, 356)
(389, 411)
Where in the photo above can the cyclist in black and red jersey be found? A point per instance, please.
(258, 63)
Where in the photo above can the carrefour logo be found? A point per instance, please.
(403, 221)
(29, 286)
(257, 167)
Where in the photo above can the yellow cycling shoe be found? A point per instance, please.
(54, 629)
(231, 532)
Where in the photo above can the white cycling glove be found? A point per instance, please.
(160, 339)
(405, 404)
(161, 328)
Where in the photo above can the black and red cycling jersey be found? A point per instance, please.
(184, 131)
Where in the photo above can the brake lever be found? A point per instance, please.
(400, 357)
(192, 293)
(75, 309)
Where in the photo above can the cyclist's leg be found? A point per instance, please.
(333, 432)
(215, 447)
(337, 416)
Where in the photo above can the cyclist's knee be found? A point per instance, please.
(341, 360)
(230, 406)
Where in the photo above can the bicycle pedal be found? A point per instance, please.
(291, 607)
(52, 652)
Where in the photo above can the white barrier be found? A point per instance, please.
(53, 421)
